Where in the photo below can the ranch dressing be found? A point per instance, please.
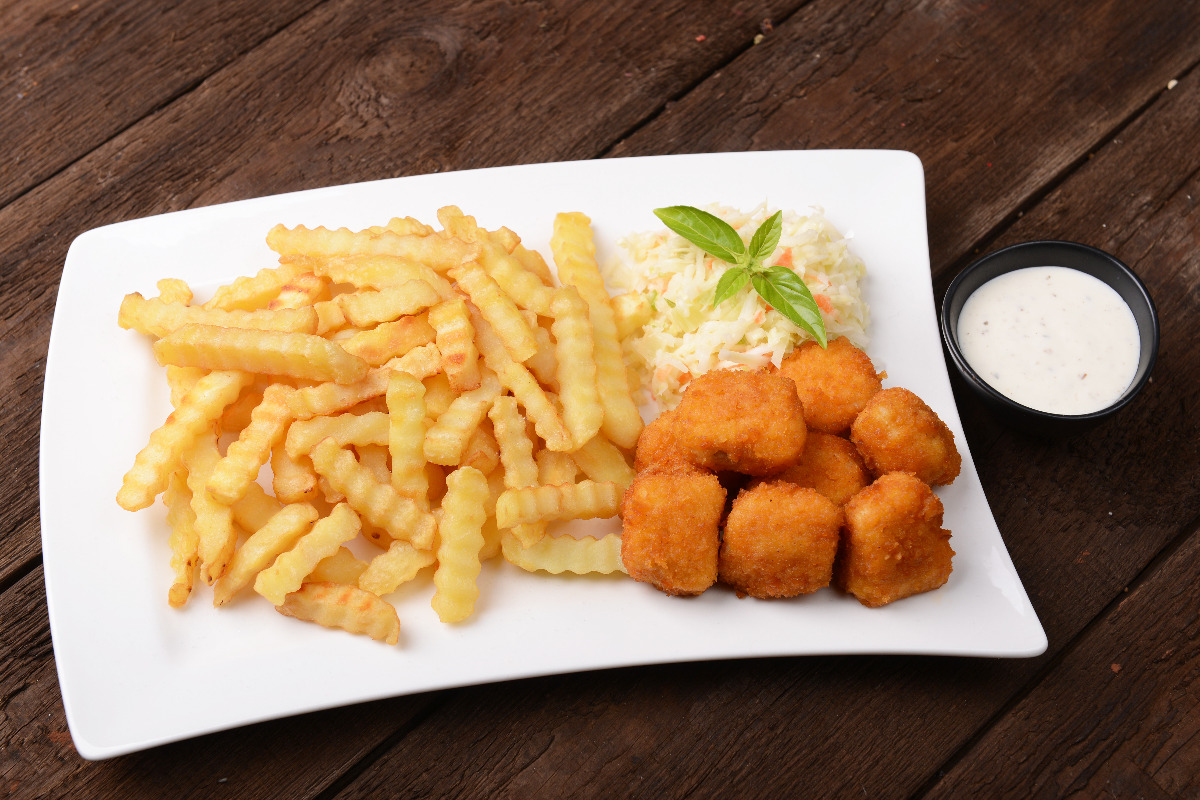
(1052, 338)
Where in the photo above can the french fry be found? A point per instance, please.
(601, 460)
(532, 260)
(341, 567)
(583, 413)
(245, 457)
(524, 287)
(446, 440)
(482, 451)
(345, 429)
(215, 534)
(498, 309)
(517, 379)
(196, 413)
(184, 541)
(544, 364)
(294, 355)
(259, 551)
(631, 312)
(349, 608)
(574, 254)
(180, 380)
(304, 289)
(438, 395)
(440, 253)
(174, 290)
(255, 508)
(399, 564)
(456, 342)
(366, 308)
(516, 454)
(156, 318)
(375, 458)
(293, 480)
(378, 502)
(584, 500)
(329, 398)
(236, 415)
(389, 340)
(406, 437)
(558, 554)
(380, 271)
(287, 572)
(461, 540)
(256, 291)
(555, 468)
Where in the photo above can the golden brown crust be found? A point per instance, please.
(658, 449)
(741, 421)
(894, 545)
(831, 465)
(671, 531)
(780, 540)
(898, 432)
(833, 383)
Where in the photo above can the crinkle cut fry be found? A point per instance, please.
(574, 254)
(584, 500)
(558, 554)
(156, 318)
(441, 255)
(349, 608)
(245, 457)
(461, 537)
(294, 355)
(378, 502)
(498, 309)
(583, 412)
(197, 411)
(288, 571)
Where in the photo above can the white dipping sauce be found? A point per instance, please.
(1052, 338)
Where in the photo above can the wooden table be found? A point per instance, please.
(1034, 120)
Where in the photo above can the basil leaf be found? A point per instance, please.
(788, 295)
(766, 238)
(711, 234)
(730, 284)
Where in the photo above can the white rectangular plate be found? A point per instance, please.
(130, 667)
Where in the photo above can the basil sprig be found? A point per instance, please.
(778, 286)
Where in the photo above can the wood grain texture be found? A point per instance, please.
(1137, 732)
(289, 758)
(74, 74)
(997, 99)
(356, 90)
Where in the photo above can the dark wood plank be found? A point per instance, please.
(357, 90)
(86, 71)
(998, 99)
(881, 727)
(37, 759)
(1120, 714)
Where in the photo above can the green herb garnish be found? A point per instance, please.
(779, 286)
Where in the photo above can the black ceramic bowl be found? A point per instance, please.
(1059, 254)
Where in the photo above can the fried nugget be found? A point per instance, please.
(671, 532)
(897, 432)
(658, 448)
(780, 540)
(894, 545)
(747, 421)
(834, 383)
(831, 465)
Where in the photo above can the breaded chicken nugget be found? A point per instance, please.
(780, 540)
(894, 545)
(897, 432)
(834, 383)
(658, 448)
(670, 531)
(741, 421)
(831, 465)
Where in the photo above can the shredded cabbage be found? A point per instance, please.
(687, 336)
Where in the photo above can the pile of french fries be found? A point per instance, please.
(432, 392)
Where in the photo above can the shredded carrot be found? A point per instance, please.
(785, 260)
(824, 302)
